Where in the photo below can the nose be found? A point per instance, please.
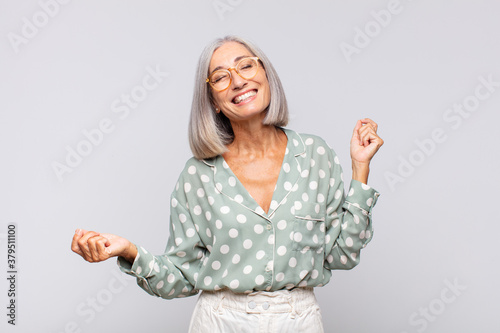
(237, 81)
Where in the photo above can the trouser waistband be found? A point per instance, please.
(281, 301)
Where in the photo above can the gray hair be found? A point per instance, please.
(210, 132)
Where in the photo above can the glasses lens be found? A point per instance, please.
(247, 68)
(220, 79)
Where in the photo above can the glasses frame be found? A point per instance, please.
(257, 60)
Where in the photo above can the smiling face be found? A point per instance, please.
(244, 100)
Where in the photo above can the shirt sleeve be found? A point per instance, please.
(174, 273)
(348, 219)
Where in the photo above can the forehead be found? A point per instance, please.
(225, 55)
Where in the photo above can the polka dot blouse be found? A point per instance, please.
(221, 238)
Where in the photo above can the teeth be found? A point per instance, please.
(243, 97)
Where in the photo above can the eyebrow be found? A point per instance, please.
(235, 61)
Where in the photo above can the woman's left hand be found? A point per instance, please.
(365, 142)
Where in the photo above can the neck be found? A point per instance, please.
(255, 139)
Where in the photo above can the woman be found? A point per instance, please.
(258, 216)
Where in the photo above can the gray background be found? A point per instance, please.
(435, 225)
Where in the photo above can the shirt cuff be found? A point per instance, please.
(362, 196)
(141, 267)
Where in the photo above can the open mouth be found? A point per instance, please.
(243, 97)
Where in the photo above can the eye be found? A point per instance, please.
(219, 76)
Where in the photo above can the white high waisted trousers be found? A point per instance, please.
(283, 311)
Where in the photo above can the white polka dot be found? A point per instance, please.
(362, 234)
(329, 258)
(309, 141)
(356, 219)
(286, 167)
(343, 259)
(218, 224)
(337, 194)
(159, 285)
(270, 240)
(233, 233)
(309, 225)
(351, 192)
(247, 269)
(336, 160)
(174, 202)
(321, 150)
(369, 202)
(303, 274)
(365, 187)
(247, 244)
(313, 185)
(260, 254)
(241, 218)
(297, 205)
(187, 187)
(181, 254)
(207, 280)
(225, 209)
(216, 265)
(259, 210)
(292, 262)
(281, 225)
(274, 204)
(297, 236)
(211, 201)
(171, 278)
(225, 273)
(322, 174)
(200, 193)
(238, 198)
(224, 249)
(259, 279)
(184, 265)
(182, 218)
(349, 242)
(208, 215)
(192, 170)
(304, 173)
(236, 259)
(282, 250)
(315, 239)
(178, 241)
(305, 197)
(295, 142)
(139, 270)
(232, 181)
(218, 186)
(225, 165)
(353, 256)
(288, 186)
(258, 229)
(197, 210)
(234, 284)
(368, 234)
(209, 232)
(280, 277)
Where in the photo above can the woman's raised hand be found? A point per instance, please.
(365, 142)
(97, 247)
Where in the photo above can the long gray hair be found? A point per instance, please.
(210, 132)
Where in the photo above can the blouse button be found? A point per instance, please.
(252, 305)
(265, 305)
(269, 227)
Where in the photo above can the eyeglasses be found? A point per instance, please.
(246, 68)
